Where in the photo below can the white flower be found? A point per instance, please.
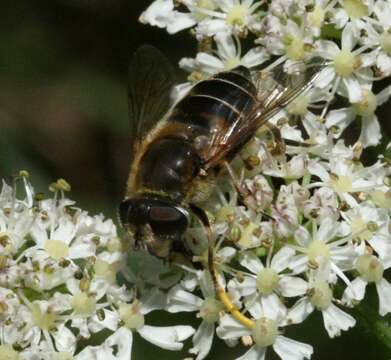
(43, 319)
(232, 16)
(323, 204)
(117, 346)
(320, 297)
(228, 55)
(371, 270)
(353, 12)
(266, 285)
(369, 225)
(286, 38)
(323, 249)
(161, 13)
(208, 309)
(345, 70)
(10, 321)
(16, 219)
(265, 334)
(345, 178)
(61, 241)
(260, 193)
(365, 109)
(132, 316)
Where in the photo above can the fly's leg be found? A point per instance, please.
(244, 192)
(279, 144)
(220, 291)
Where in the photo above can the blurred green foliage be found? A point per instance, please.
(63, 113)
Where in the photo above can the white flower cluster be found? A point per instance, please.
(315, 230)
(352, 36)
(58, 287)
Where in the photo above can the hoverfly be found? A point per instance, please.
(178, 150)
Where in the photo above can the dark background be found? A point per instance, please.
(63, 113)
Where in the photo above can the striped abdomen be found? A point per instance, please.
(173, 158)
(220, 99)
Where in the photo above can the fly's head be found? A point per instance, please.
(154, 224)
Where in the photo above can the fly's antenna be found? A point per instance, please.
(222, 295)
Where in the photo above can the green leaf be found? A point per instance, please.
(378, 326)
(329, 31)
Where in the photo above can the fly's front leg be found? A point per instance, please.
(239, 185)
(278, 148)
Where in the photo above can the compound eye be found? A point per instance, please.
(164, 213)
(167, 220)
(125, 208)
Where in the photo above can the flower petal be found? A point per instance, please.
(179, 21)
(289, 349)
(370, 131)
(281, 259)
(290, 286)
(355, 291)
(251, 262)
(336, 320)
(300, 311)
(202, 340)
(166, 337)
(383, 288)
(179, 300)
(230, 328)
(254, 353)
(353, 89)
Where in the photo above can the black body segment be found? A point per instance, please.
(168, 167)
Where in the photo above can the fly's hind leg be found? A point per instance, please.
(220, 291)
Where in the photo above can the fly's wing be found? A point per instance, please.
(150, 80)
(276, 89)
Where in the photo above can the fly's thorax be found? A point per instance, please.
(169, 166)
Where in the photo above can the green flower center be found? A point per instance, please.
(345, 63)
(355, 8)
(265, 332)
(370, 268)
(56, 249)
(381, 199)
(316, 17)
(247, 233)
(237, 15)
(231, 63)
(64, 355)
(267, 281)
(299, 106)
(104, 270)
(132, 317)
(295, 48)
(360, 229)
(321, 295)
(8, 353)
(385, 42)
(45, 321)
(203, 4)
(210, 310)
(317, 249)
(341, 183)
(83, 304)
(368, 104)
